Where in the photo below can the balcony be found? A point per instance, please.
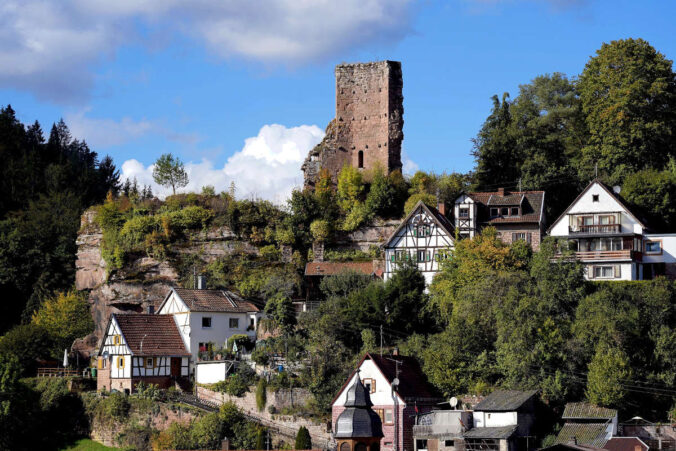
(626, 254)
(595, 229)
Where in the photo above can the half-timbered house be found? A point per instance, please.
(425, 236)
(516, 215)
(208, 318)
(141, 348)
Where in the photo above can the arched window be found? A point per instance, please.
(345, 446)
(360, 159)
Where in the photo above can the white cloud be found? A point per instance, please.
(268, 166)
(409, 167)
(48, 47)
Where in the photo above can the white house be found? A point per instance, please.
(398, 390)
(141, 348)
(425, 236)
(659, 255)
(208, 318)
(606, 235)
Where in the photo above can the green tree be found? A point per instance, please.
(261, 394)
(320, 229)
(303, 439)
(653, 192)
(169, 171)
(350, 188)
(28, 343)
(65, 317)
(628, 93)
(608, 371)
(280, 310)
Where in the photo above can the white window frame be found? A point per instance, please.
(236, 320)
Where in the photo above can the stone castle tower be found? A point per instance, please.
(368, 128)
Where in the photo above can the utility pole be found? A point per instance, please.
(381, 340)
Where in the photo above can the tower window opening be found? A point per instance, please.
(360, 158)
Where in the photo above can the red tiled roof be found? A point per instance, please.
(157, 333)
(214, 301)
(333, 268)
(531, 203)
(625, 444)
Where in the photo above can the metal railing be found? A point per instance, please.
(595, 228)
(58, 372)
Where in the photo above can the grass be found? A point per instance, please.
(86, 444)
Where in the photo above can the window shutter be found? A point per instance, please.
(590, 272)
(529, 237)
(618, 271)
(392, 258)
(100, 363)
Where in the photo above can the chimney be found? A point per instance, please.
(572, 441)
(501, 192)
(441, 206)
(151, 310)
(395, 351)
(201, 283)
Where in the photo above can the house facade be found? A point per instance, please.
(395, 404)
(441, 430)
(517, 215)
(206, 319)
(587, 425)
(141, 348)
(425, 236)
(315, 272)
(610, 240)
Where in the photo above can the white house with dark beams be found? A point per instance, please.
(606, 235)
(141, 348)
(208, 318)
(425, 236)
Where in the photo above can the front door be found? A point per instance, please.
(176, 366)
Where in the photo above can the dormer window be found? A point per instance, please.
(463, 213)
(494, 212)
(515, 211)
(595, 197)
(504, 211)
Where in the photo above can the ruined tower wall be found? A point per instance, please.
(368, 128)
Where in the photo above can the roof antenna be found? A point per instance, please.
(519, 183)
(596, 170)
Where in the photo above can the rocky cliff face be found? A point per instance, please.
(145, 281)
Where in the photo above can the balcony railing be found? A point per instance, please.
(625, 254)
(595, 228)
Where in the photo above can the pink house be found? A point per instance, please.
(398, 390)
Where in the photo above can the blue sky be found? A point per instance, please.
(207, 80)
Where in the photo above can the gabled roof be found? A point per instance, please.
(218, 301)
(590, 434)
(586, 411)
(413, 383)
(531, 202)
(504, 400)
(333, 268)
(150, 335)
(610, 192)
(441, 221)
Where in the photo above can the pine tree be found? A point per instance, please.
(303, 439)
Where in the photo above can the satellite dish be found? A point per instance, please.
(453, 402)
(105, 354)
(617, 189)
(395, 382)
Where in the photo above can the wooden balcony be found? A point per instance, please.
(595, 229)
(625, 254)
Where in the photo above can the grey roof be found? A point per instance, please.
(358, 420)
(590, 434)
(506, 200)
(494, 432)
(586, 411)
(504, 400)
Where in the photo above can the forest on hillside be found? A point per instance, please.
(496, 315)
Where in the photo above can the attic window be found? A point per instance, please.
(150, 362)
(595, 197)
(116, 339)
(515, 211)
(494, 212)
(504, 211)
(370, 385)
(464, 213)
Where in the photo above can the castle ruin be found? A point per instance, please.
(368, 128)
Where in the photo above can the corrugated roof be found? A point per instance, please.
(151, 335)
(503, 432)
(586, 411)
(214, 301)
(504, 400)
(591, 434)
(531, 203)
(333, 268)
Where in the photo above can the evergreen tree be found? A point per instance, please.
(303, 439)
(170, 172)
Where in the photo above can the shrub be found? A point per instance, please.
(193, 217)
(116, 406)
(428, 199)
(303, 439)
(234, 385)
(261, 394)
(270, 253)
(320, 229)
(134, 231)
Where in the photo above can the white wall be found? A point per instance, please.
(668, 254)
(210, 372)
(220, 330)
(605, 204)
(383, 393)
(494, 419)
(628, 270)
(116, 351)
